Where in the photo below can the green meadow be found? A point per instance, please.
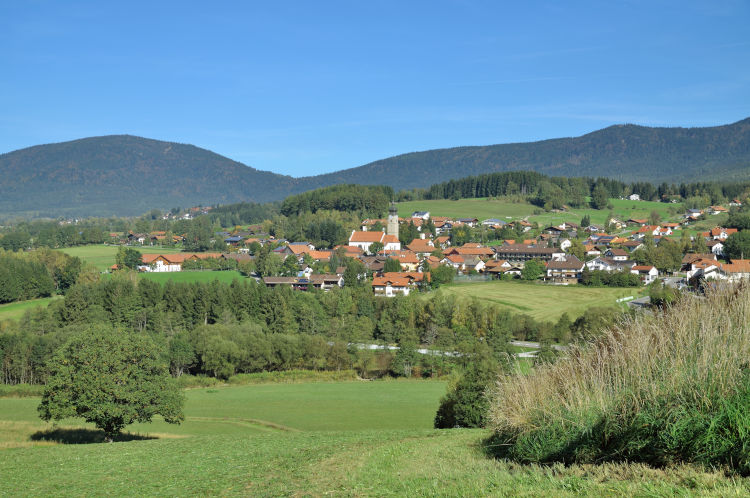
(505, 210)
(103, 256)
(261, 408)
(193, 276)
(341, 439)
(14, 311)
(542, 301)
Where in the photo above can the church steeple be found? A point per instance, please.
(392, 228)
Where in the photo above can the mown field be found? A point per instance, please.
(254, 409)
(194, 276)
(350, 439)
(505, 210)
(103, 257)
(14, 311)
(542, 301)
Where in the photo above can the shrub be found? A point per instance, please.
(669, 387)
(466, 403)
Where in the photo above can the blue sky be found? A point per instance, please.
(303, 88)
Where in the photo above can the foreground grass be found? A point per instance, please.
(103, 256)
(368, 463)
(662, 388)
(14, 311)
(542, 301)
(341, 439)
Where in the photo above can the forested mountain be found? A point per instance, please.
(128, 175)
(623, 152)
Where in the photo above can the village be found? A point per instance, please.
(563, 254)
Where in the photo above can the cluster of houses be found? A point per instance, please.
(377, 241)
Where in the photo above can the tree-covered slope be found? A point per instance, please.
(624, 152)
(126, 175)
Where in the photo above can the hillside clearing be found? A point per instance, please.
(14, 311)
(103, 256)
(542, 301)
(505, 210)
(225, 276)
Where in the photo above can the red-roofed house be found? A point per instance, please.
(647, 273)
(364, 240)
(389, 287)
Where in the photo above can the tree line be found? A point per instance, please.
(220, 329)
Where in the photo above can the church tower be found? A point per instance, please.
(392, 228)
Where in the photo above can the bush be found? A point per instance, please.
(466, 403)
(671, 387)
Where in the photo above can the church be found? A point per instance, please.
(389, 238)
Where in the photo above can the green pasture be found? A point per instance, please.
(469, 208)
(542, 301)
(193, 276)
(14, 311)
(505, 210)
(103, 256)
(260, 408)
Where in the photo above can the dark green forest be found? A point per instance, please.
(220, 329)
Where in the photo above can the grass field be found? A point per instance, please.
(103, 256)
(255, 409)
(14, 311)
(504, 210)
(350, 439)
(542, 301)
(193, 276)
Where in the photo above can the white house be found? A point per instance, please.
(634, 197)
(390, 286)
(647, 273)
(364, 240)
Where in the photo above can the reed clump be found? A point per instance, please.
(673, 386)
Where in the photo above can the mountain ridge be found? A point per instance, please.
(128, 175)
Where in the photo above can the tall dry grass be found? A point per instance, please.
(637, 381)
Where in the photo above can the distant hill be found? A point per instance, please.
(127, 175)
(623, 152)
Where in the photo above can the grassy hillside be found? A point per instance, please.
(505, 210)
(541, 301)
(194, 276)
